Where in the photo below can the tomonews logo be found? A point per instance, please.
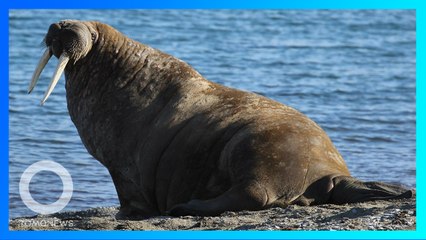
(30, 172)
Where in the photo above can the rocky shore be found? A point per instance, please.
(377, 215)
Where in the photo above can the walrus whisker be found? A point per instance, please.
(40, 66)
(63, 60)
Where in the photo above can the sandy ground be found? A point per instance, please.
(378, 215)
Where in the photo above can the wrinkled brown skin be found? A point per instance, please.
(175, 143)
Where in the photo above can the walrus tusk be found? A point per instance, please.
(63, 60)
(42, 63)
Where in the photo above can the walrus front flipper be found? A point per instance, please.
(238, 198)
(351, 190)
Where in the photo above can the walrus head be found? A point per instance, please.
(69, 41)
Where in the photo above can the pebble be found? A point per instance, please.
(378, 215)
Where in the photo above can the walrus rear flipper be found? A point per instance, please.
(251, 196)
(351, 190)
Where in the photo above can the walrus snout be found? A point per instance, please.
(68, 40)
(72, 37)
(52, 40)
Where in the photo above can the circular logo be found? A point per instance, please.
(30, 172)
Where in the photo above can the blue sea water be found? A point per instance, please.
(353, 72)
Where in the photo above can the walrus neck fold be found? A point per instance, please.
(136, 79)
(138, 72)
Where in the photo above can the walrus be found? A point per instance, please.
(175, 143)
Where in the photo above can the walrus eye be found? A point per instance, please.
(94, 36)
